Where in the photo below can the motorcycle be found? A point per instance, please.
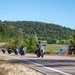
(10, 50)
(16, 51)
(40, 52)
(22, 51)
(4, 50)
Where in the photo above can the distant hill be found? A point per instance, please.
(43, 31)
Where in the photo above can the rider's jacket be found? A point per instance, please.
(40, 46)
(22, 48)
(16, 49)
(4, 49)
(10, 49)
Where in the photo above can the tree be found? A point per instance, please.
(72, 46)
(51, 41)
(31, 44)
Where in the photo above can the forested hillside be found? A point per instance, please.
(7, 32)
(43, 31)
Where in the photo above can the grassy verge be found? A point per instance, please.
(52, 47)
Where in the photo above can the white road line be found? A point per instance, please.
(43, 66)
(50, 68)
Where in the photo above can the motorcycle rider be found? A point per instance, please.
(22, 50)
(4, 49)
(40, 47)
(10, 50)
(16, 50)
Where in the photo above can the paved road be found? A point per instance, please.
(49, 65)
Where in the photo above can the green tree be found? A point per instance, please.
(31, 44)
(72, 46)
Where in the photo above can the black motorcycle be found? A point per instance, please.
(16, 51)
(22, 51)
(4, 50)
(9, 50)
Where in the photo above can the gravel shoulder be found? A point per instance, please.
(10, 67)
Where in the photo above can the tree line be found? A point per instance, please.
(42, 31)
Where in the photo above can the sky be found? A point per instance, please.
(61, 12)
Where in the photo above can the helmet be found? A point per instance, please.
(39, 41)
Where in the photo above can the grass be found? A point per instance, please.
(43, 41)
(52, 47)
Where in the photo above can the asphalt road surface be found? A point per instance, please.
(49, 65)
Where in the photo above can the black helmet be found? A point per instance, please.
(39, 41)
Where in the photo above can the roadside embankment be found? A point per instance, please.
(10, 67)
